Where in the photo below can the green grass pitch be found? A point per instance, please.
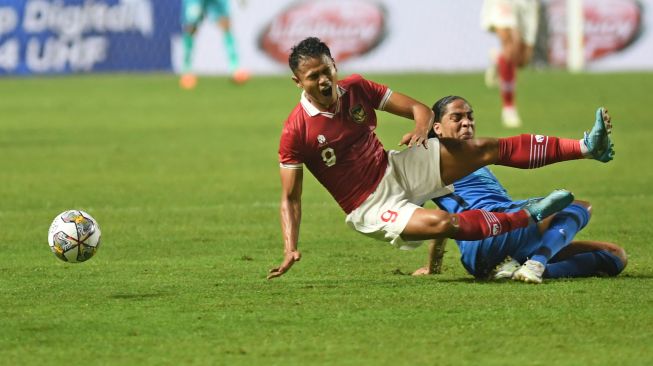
(185, 187)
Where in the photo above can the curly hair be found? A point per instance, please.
(310, 47)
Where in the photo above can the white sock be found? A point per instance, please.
(583, 148)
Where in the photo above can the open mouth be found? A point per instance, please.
(326, 91)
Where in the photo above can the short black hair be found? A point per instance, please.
(311, 47)
(440, 107)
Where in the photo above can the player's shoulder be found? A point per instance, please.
(296, 119)
(351, 80)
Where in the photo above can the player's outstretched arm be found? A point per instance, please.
(291, 215)
(405, 106)
(436, 253)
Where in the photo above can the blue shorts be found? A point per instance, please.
(479, 257)
(193, 11)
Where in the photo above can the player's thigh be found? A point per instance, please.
(459, 158)
(385, 213)
(527, 13)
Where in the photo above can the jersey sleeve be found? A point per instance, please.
(378, 94)
(289, 148)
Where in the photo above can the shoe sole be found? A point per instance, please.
(600, 122)
(522, 278)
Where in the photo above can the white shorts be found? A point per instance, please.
(521, 15)
(412, 178)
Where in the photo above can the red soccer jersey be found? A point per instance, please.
(340, 149)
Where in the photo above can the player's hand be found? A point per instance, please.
(423, 271)
(415, 138)
(289, 259)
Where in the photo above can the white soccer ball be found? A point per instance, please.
(74, 236)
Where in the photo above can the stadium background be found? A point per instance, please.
(40, 36)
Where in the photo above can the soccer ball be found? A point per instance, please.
(74, 236)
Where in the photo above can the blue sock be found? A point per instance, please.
(564, 227)
(232, 54)
(586, 264)
(187, 42)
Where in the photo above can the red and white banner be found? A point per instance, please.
(352, 28)
(413, 35)
(610, 26)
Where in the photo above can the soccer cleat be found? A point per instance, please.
(505, 269)
(547, 206)
(188, 81)
(530, 272)
(597, 141)
(240, 76)
(608, 154)
(510, 117)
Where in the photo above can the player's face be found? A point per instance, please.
(457, 121)
(318, 77)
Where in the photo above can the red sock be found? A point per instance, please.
(534, 151)
(480, 224)
(507, 75)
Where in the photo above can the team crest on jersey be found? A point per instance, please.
(321, 139)
(357, 113)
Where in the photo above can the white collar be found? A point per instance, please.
(313, 111)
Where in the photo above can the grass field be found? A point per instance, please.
(185, 187)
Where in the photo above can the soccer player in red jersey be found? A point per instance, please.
(331, 131)
(515, 23)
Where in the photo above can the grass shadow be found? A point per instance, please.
(137, 296)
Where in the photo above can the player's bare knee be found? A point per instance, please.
(441, 224)
(224, 24)
(190, 29)
(620, 253)
(523, 60)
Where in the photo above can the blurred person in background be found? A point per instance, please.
(193, 12)
(331, 131)
(515, 23)
(545, 250)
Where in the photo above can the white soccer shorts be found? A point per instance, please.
(412, 178)
(516, 14)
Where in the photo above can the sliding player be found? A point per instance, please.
(545, 250)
